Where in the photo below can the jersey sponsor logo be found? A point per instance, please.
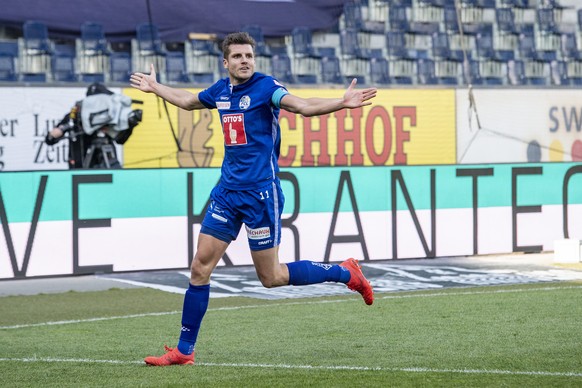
(245, 102)
(259, 233)
(233, 127)
(222, 104)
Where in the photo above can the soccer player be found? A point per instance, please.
(249, 190)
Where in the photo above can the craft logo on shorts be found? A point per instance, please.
(245, 102)
(233, 127)
(259, 233)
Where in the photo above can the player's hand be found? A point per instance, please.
(144, 82)
(355, 98)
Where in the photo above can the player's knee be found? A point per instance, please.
(270, 281)
(199, 273)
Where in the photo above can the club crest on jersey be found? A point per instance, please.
(233, 127)
(245, 102)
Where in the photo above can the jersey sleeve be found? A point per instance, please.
(208, 96)
(277, 90)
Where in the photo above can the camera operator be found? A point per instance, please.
(92, 145)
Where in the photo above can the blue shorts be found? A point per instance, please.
(260, 210)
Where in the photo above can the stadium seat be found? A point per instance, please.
(505, 32)
(426, 72)
(398, 20)
(262, 51)
(176, 67)
(526, 49)
(281, 64)
(63, 63)
(93, 53)
(569, 47)
(484, 49)
(331, 71)
(256, 32)
(401, 61)
(471, 73)
(559, 73)
(148, 48)
(203, 59)
(353, 18)
(8, 61)
(441, 48)
(36, 52)
(306, 61)
(205, 79)
(516, 73)
(354, 59)
(120, 66)
(379, 74)
(547, 32)
(451, 24)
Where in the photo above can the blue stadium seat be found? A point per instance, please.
(206, 79)
(120, 66)
(527, 50)
(8, 60)
(93, 53)
(472, 74)
(426, 72)
(331, 71)
(93, 41)
(148, 39)
(150, 49)
(401, 61)
(63, 63)
(281, 64)
(441, 48)
(354, 59)
(396, 46)
(353, 18)
(302, 42)
(484, 49)
(37, 52)
(256, 32)
(559, 73)
(306, 61)
(569, 47)
(379, 74)
(452, 26)
(176, 67)
(505, 31)
(516, 73)
(398, 20)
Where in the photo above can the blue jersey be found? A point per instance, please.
(249, 115)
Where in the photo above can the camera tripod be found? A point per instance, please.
(107, 150)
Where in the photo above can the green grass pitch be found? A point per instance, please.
(514, 336)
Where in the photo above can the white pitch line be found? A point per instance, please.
(419, 295)
(310, 367)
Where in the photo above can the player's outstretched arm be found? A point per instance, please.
(148, 83)
(314, 106)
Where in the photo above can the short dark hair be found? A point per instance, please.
(236, 38)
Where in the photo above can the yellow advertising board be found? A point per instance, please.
(401, 127)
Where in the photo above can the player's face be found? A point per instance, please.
(240, 63)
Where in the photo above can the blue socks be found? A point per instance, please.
(308, 272)
(195, 305)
